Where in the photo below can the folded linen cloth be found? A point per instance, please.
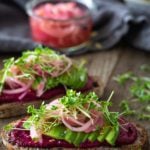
(139, 33)
(113, 20)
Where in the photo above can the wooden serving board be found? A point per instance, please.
(107, 64)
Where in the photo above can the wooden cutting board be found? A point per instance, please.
(107, 64)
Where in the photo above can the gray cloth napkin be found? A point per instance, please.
(138, 35)
(113, 20)
(14, 30)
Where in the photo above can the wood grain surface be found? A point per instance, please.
(129, 61)
(107, 65)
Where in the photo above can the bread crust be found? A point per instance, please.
(19, 108)
(141, 143)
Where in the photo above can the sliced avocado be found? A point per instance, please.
(93, 136)
(57, 132)
(112, 135)
(103, 134)
(70, 136)
(85, 137)
(81, 137)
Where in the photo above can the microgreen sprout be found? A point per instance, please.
(145, 67)
(43, 64)
(124, 105)
(8, 127)
(139, 90)
(144, 116)
(75, 105)
(7, 65)
(123, 78)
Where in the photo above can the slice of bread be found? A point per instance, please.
(19, 108)
(140, 144)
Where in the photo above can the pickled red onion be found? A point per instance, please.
(62, 32)
(97, 121)
(15, 91)
(34, 133)
(55, 102)
(77, 129)
(40, 89)
(18, 90)
(69, 63)
(23, 95)
(13, 81)
(59, 11)
(11, 84)
(79, 124)
(73, 121)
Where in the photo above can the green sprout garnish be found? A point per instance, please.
(48, 119)
(141, 89)
(145, 67)
(73, 104)
(54, 107)
(8, 127)
(140, 92)
(5, 71)
(126, 108)
(123, 78)
(44, 65)
(36, 114)
(144, 116)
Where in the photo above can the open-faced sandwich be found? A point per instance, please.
(40, 74)
(75, 121)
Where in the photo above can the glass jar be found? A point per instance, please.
(64, 25)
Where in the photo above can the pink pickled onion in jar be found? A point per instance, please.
(60, 24)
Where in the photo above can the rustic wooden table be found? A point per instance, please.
(107, 65)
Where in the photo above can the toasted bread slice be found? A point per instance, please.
(141, 143)
(19, 108)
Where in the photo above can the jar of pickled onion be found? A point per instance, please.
(61, 24)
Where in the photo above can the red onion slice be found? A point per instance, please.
(19, 90)
(76, 129)
(40, 89)
(97, 122)
(12, 82)
(73, 121)
(15, 91)
(35, 134)
(69, 64)
(23, 95)
(53, 103)
(62, 32)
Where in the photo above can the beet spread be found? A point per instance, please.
(31, 95)
(127, 135)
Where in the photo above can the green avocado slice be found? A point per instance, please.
(93, 136)
(57, 132)
(112, 135)
(70, 136)
(80, 138)
(103, 133)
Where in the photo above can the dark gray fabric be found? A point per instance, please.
(139, 33)
(113, 20)
(14, 30)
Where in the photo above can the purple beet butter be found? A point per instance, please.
(31, 95)
(127, 135)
